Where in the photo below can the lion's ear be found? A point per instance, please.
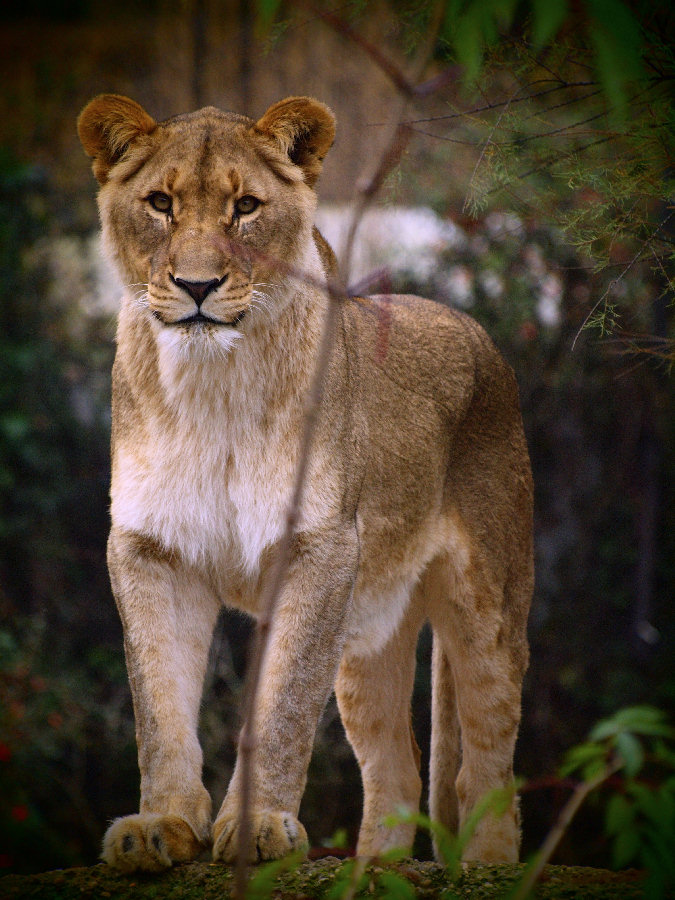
(304, 129)
(107, 126)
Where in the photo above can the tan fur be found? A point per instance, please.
(417, 506)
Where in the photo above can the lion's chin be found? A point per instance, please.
(199, 339)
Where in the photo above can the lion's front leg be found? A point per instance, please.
(299, 670)
(168, 616)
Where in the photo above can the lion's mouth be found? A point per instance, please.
(199, 319)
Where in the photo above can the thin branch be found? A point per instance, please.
(275, 581)
(554, 158)
(368, 189)
(487, 143)
(395, 75)
(646, 243)
(565, 130)
(564, 103)
(273, 588)
(399, 135)
(555, 835)
(488, 107)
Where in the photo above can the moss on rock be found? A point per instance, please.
(316, 879)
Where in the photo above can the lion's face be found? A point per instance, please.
(205, 213)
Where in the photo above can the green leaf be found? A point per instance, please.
(645, 720)
(626, 847)
(620, 814)
(266, 13)
(656, 806)
(468, 44)
(630, 750)
(396, 887)
(262, 883)
(342, 881)
(339, 838)
(503, 12)
(547, 17)
(604, 729)
(585, 758)
(615, 35)
(495, 803)
(394, 855)
(448, 845)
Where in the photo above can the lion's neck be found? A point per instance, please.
(267, 365)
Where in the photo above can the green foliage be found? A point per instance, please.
(355, 879)
(394, 887)
(639, 743)
(267, 11)
(615, 35)
(472, 28)
(620, 740)
(450, 847)
(547, 19)
(351, 878)
(262, 882)
(569, 110)
(339, 839)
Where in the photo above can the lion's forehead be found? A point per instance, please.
(209, 159)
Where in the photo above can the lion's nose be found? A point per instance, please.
(198, 290)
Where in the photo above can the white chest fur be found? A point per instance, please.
(213, 480)
(193, 494)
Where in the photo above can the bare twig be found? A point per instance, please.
(275, 582)
(369, 188)
(555, 835)
(398, 137)
(488, 107)
(392, 71)
(272, 592)
(487, 143)
(646, 243)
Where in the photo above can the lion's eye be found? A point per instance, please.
(247, 204)
(159, 201)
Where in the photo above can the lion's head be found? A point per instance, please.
(202, 211)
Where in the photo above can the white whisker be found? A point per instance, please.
(265, 301)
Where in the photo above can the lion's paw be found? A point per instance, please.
(273, 834)
(149, 842)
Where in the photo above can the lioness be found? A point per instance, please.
(417, 505)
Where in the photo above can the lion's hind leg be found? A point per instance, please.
(373, 694)
(480, 655)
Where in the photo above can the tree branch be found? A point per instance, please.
(275, 582)
(556, 834)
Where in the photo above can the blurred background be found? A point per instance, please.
(537, 196)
